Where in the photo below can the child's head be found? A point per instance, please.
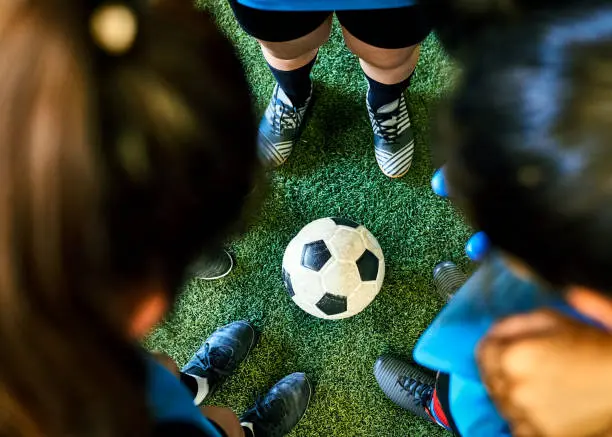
(127, 148)
(531, 141)
(460, 24)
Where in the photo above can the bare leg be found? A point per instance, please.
(387, 66)
(290, 63)
(166, 361)
(225, 418)
(388, 72)
(291, 55)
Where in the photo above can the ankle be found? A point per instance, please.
(248, 429)
(202, 389)
(296, 83)
(224, 419)
(380, 94)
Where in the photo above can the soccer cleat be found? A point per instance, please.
(448, 278)
(215, 267)
(280, 128)
(393, 137)
(406, 385)
(281, 409)
(222, 353)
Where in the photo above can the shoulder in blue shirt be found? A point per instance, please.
(170, 401)
(449, 343)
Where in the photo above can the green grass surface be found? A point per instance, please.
(332, 172)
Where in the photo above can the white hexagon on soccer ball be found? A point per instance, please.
(341, 278)
(371, 243)
(346, 244)
(293, 254)
(362, 297)
(306, 284)
(321, 229)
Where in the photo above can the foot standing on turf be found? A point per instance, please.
(280, 128)
(275, 415)
(448, 278)
(217, 358)
(387, 43)
(406, 385)
(282, 123)
(280, 410)
(393, 137)
(213, 267)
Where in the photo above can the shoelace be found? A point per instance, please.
(421, 392)
(269, 412)
(207, 365)
(386, 125)
(285, 116)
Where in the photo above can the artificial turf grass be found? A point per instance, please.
(332, 172)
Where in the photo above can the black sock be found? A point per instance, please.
(248, 432)
(295, 83)
(190, 382)
(381, 94)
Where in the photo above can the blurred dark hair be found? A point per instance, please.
(115, 169)
(530, 140)
(461, 23)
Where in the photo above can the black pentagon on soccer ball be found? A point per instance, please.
(288, 284)
(315, 255)
(367, 264)
(345, 222)
(332, 304)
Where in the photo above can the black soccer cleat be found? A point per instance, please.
(448, 279)
(406, 385)
(222, 353)
(282, 408)
(214, 267)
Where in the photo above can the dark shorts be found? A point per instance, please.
(384, 28)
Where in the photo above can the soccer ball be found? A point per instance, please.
(333, 268)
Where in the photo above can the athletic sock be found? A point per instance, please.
(197, 385)
(295, 83)
(247, 428)
(380, 94)
(436, 412)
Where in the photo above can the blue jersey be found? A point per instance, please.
(170, 401)
(325, 5)
(449, 344)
